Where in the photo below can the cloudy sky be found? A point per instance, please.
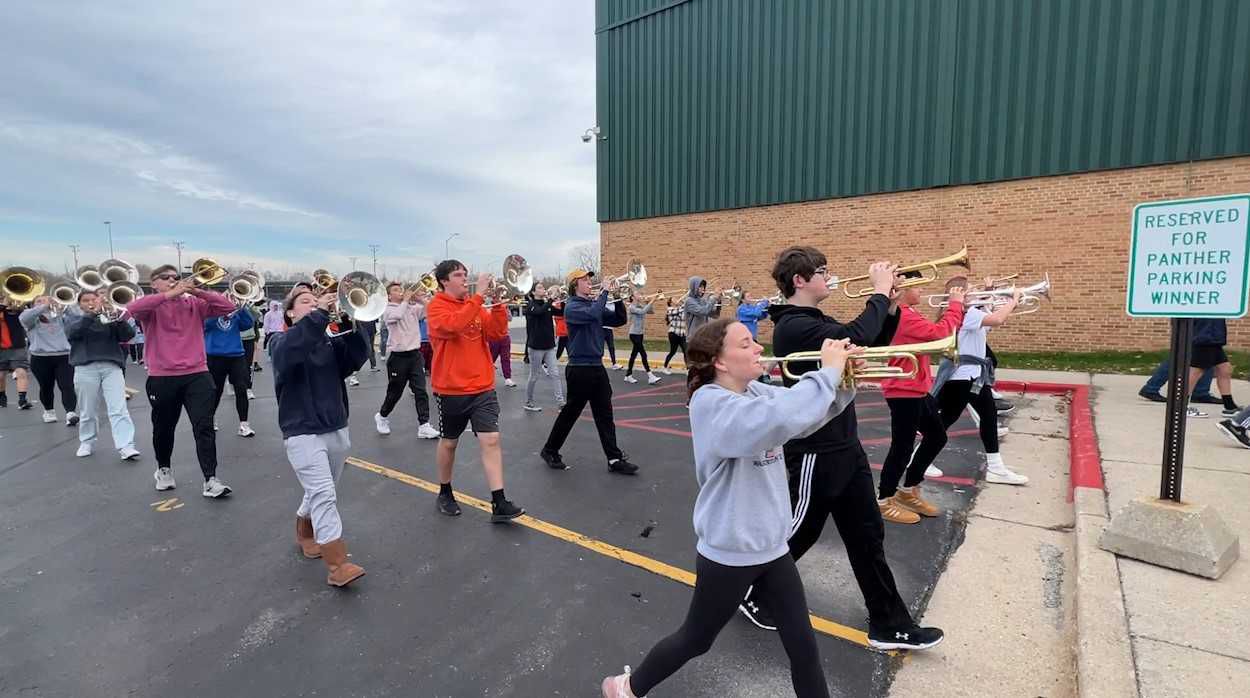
(296, 133)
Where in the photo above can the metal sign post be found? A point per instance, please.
(1178, 400)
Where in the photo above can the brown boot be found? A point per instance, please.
(909, 498)
(892, 512)
(342, 572)
(304, 536)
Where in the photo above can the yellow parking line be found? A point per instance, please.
(822, 625)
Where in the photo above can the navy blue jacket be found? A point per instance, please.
(586, 320)
(1208, 331)
(309, 368)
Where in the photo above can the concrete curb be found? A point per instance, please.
(1104, 652)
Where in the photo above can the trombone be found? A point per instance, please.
(960, 258)
(872, 364)
(206, 272)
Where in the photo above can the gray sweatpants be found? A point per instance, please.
(318, 462)
(539, 358)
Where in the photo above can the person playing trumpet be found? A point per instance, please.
(699, 306)
(675, 318)
(639, 308)
(405, 366)
(49, 358)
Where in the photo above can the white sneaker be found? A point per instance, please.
(667, 371)
(1002, 430)
(531, 407)
(933, 471)
(546, 371)
(652, 379)
(1005, 476)
(215, 488)
(49, 416)
(164, 479)
(630, 378)
(509, 382)
(617, 686)
(245, 430)
(427, 431)
(71, 419)
(1195, 412)
(215, 425)
(616, 366)
(382, 423)
(84, 449)
(353, 381)
(128, 453)
(995, 394)
(250, 395)
(230, 390)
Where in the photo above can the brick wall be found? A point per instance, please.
(1076, 227)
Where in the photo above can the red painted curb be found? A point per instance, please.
(1084, 459)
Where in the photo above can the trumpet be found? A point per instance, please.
(873, 363)
(1030, 297)
(116, 296)
(960, 258)
(206, 272)
(517, 280)
(22, 284)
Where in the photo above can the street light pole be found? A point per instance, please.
(447, 245)
(109, 225)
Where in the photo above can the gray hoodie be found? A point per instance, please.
(638, 315)
(742, 513)
(698, 310)
(45, 333)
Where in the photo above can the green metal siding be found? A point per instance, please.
(714, 104)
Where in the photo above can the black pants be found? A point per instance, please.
(839, 485)
(639, 349)
(609, 343)
(237, 370)
(264, 346)
(956, 395)
(249, 356)
(368, 335)
(586, 384)
(169, 395)
(406, 368)
(136, 352)
(675, 342)
(718, 589)
(53, 372)
(989, 354)
(562, 345)
(907, 416)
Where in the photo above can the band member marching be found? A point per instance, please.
(49, 359)
(309, 369)
(98, 357)
(405, 365)
(586, 377)
(540, 341)
(228, 360)
(464, 381)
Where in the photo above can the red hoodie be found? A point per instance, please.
(914, 327)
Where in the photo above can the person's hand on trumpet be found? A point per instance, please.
(834, 354)
(326, 301)
(882, 277)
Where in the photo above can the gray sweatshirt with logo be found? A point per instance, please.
(44, 331)
(742, 513)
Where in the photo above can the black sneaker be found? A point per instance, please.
(257, 368)
(622, 466)
(24, 404)
(913, 638)
(757, 613)
(1003, 406)
(1153, 397)
(1229, 411)
(553, 460)
(4, 400)
(1234, 432)
(1207, 399)
(505, 511)
(448, 505)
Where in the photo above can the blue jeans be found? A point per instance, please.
(96, 380)
(1160, 377)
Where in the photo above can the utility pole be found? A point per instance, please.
(75, 248)
(447, 245)
(109, 225)
(374, 250)
(353, 261)
(178, 244)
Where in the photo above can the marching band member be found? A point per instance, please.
(49, 359)
(99, 360)
(699, 306)
(464, 381)
(638, 312)
(308, 372)
(13, 355)
(228, 359)
(541, 343)
(587, 378)
(173, 320)
(405, 366)
(742, 512)
(675, 317)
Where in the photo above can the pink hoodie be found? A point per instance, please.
(174, 330)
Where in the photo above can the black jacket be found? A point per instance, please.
(1210, 332)
(91, 340)
(17, 333)
(309, 368)
(805, 329)
(540, 331)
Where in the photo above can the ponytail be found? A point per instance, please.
(705, 345)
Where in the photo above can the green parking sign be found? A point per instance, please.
(1190, 258)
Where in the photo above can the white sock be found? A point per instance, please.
(994, 461)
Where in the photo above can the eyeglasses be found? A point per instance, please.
(168, 277)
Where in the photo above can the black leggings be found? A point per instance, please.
(675, 341)
(54, 372)
(718, 589)
(907, 416)
(609, 343)
(956, 395)
(562, 345)
(639, 349)
(136, 352)
(236, 369)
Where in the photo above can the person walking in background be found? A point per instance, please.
(638, 312)
(541, 343)
(14, 357)
(675, 316)
(49, 359)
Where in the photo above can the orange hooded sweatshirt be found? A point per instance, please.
(459, 331)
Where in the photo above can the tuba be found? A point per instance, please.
(117, 296)
(88, 278)
(114, 270)
(361, 296)
(516, 281)
(22, 284)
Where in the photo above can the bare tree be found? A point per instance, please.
(585, 256)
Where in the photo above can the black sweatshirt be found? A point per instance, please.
(309, 368)
(805, 329)
(540, 333)
(91, 340)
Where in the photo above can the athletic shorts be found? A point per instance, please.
(1206, 356)
(455, 412)
(13, 359)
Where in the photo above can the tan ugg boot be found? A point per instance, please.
(304, 536)
(342, 572)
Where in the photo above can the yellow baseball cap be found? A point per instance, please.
(577, 274)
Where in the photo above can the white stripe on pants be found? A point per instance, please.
(538, 359)
(96, 379)
(318, 462)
